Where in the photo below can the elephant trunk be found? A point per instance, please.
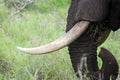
(83, 55)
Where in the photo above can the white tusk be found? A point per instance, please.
(61, 42)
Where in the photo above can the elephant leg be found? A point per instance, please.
(83, 55)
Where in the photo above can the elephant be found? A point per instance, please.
(89, 23)
(109, 67)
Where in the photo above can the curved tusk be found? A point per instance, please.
(62, 42)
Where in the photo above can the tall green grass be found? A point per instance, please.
(38, 24)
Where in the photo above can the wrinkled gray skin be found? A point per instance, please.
(103, 15)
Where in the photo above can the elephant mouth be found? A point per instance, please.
(61, 42)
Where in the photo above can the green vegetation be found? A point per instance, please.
(40, 23)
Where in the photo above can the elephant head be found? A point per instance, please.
(110, 66)
(89, 22)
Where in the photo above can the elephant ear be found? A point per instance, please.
(114, 18)
(110, 66)
(92, 10)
